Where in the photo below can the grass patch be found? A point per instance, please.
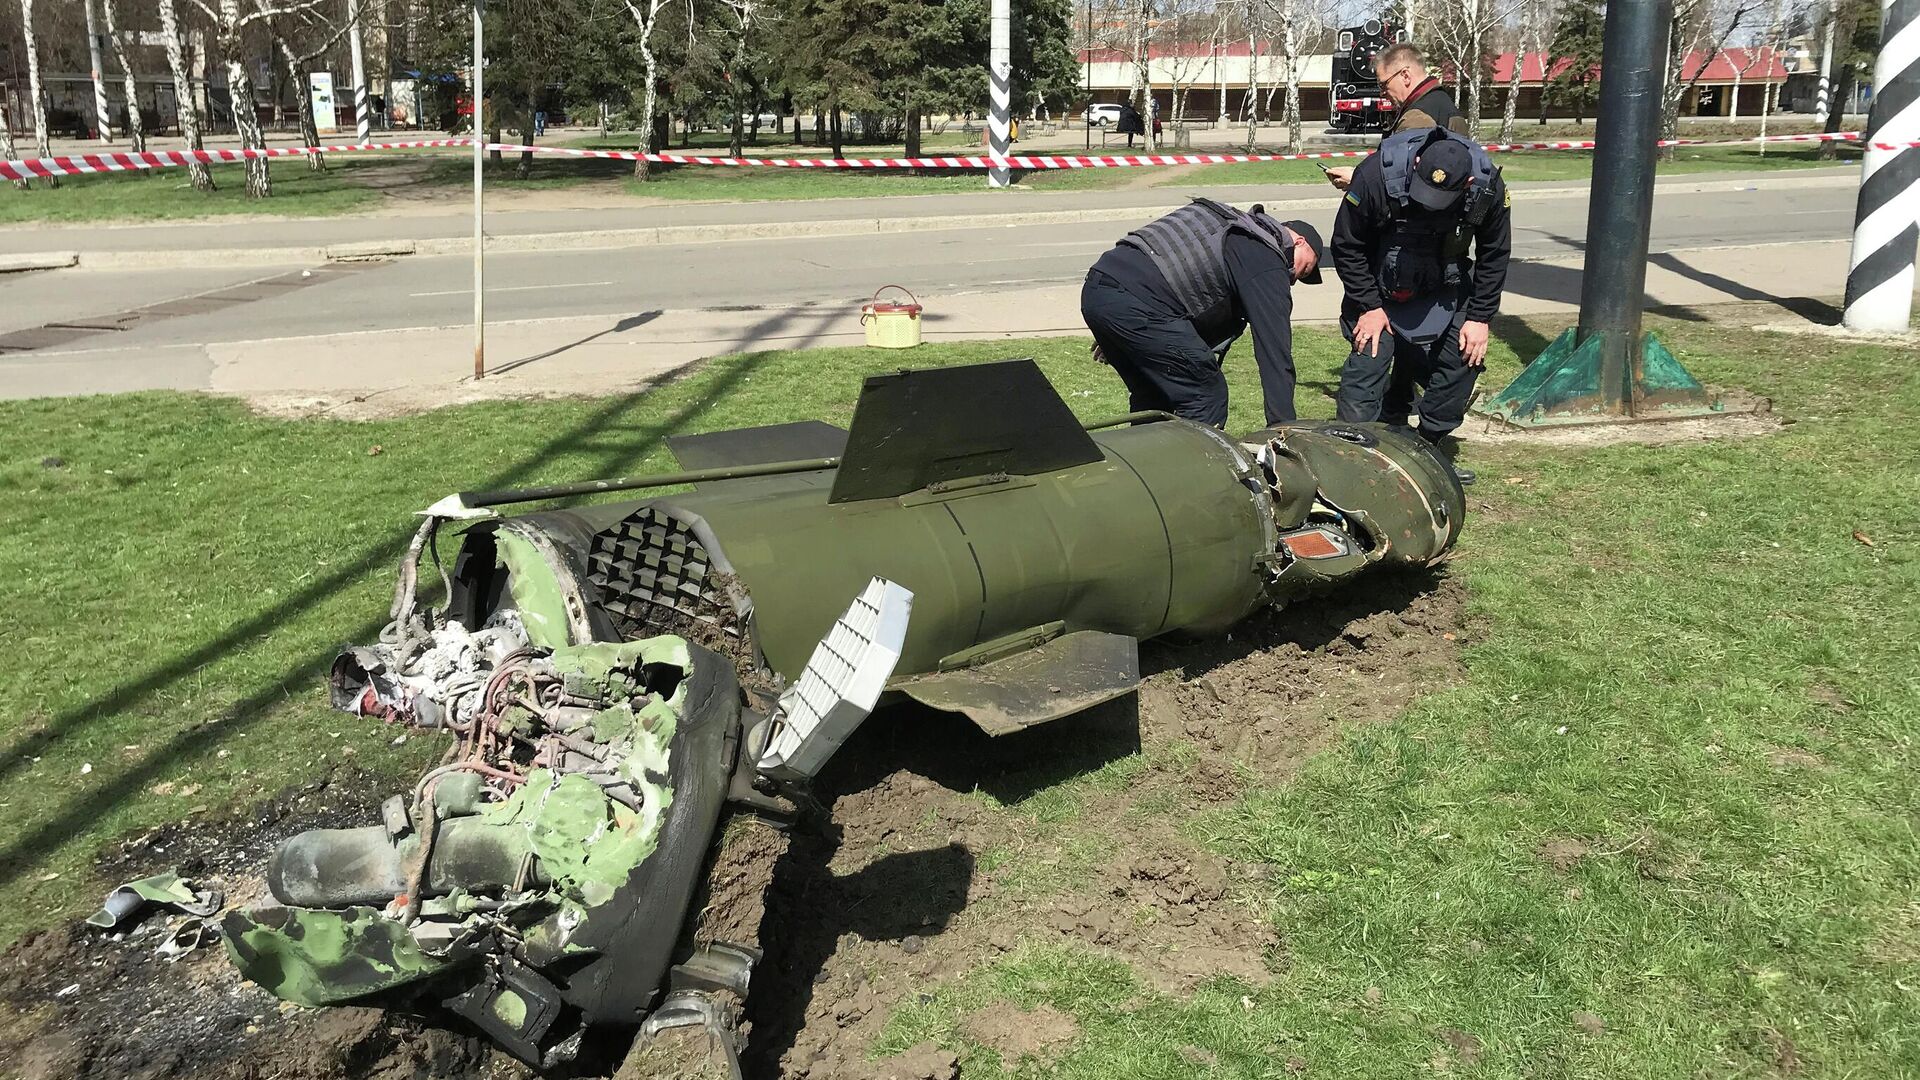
(1733, 671)
(361, 183)
(781, 144)
(1559, 164)
(166, 194)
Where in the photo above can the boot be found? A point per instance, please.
(1449, 449)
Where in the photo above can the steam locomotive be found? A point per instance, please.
(1359, 108)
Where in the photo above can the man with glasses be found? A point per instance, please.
(1417, 97)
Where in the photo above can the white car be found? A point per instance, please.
(1103, 115)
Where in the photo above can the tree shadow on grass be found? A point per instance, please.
(112, 788)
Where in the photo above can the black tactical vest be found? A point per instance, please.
(1188, 247)
(1425, 252)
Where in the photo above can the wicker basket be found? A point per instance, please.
(891, 324)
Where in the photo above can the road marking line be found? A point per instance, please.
(516, 288)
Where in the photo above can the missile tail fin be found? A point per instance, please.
(915, 428)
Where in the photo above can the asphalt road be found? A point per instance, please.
(426, 292)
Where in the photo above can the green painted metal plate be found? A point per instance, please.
(1563, 386)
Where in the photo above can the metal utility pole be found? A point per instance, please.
(1087, 70)
(479, 159)
(102, 121)
(1608, 368)
(1880, 276)
(362, 105)
(1613, 286)
(1000, 89)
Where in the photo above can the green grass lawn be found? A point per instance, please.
(165, 194)
(781, 144)
(1682, 659)
(1559, 164)
(354, 184)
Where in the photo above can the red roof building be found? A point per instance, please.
(1204, 77)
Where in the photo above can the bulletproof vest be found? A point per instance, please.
(1424, 252)
(1188, 247)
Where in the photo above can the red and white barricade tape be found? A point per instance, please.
(128, 161)
(82, 164)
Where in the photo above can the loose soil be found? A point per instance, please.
(1561, 853)
(1016, 1033)
(1746, 416)
(881, 898)
(82, 1005)
(879, 894)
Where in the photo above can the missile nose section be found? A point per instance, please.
(1345, 496)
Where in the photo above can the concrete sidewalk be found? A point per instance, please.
(263, 242)
(363, 373)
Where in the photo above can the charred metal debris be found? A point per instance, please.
(621, 680)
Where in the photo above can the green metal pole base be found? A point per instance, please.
(1565, 385)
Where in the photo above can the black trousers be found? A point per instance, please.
(1155, 350)
(1166, 363)
(1387, 386)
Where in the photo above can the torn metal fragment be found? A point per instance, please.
(171, 891)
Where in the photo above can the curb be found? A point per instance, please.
(46, 260)
(674, 235)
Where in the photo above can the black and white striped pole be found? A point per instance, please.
(1886, 225)
(1823, 100)
(102, 118)
(362, 106)
(1000, 91)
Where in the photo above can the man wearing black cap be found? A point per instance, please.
(1172, 296)
(1417, 303)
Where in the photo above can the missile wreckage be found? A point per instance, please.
(628, 685)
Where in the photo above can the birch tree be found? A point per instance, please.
(7, 149)
(1529, 37)
(1184, 64)
(745, 14)
(1750, 58)
(185, 104)
(230, 23)
(1697, 28)
(1459, 36)
(1289, 14)
(646, 18)
(1774, 41)
(1142, 41)
(299, 71)
(136, 127)
(37, 96)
